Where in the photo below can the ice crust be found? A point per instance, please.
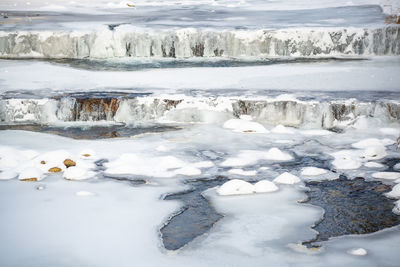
(136, 213)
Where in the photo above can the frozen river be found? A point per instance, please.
(199, 133)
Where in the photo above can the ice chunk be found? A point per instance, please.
(78, 173)
(242, 172)
(265, 186)
(282, 130)
(31, 174)
(8, 174)
(374, 165)
(357, 252)
(236, 187)
(386, 175)
(311, 171)
(287, 178)
(395, 193)
(240, 125)
(84, 194)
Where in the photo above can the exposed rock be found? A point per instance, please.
(43, 162)
(69, 163)
(55, 169)
(29, 179)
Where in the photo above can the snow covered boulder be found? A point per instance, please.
(31, 174)
(236, 187)
(265, 186)
(313, 171)
(244, 126)
(77, 173)
(282, 129)
(376, 152)
(287, 178)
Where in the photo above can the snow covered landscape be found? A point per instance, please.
(200, 133)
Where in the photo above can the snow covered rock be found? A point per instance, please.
(386, 175)
(236, 187)
(245, 126)
(287, 178)
(282, 130)
(31, 174)
(242, 172)
(313, 171)
(8, 174)
(265, 186)
(395, 193)
(77, 173)
(375, 152)
(358, 252)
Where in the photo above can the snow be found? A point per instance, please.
(31, 173)
(375, 74)
(7, 175)
(397, 166)
(287, 178)
(368, 143)
(188, 171)
(390, 131)
(372, 164)
(346, 160)
(84, 194)
(265, 186)
(395, 193)
(280, 129)
(242, 172)
(236, 187)
(311, 171)
(77, 173)
(358, 252)
(374, 153)
(250, 157)
(386, 175)
(245, 126)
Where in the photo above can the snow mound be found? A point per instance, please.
(248, 157)
(357, 252)
(367, 143)
(78, 173)
(374, 165)
(31, 174)
(311, 171)
(397, 166)
(244, 126)
(376, 152)
(346, 160)
(282, 130)
(287, 178)
(236, 187)
(265, 186)
(386, 175)
(395, 193)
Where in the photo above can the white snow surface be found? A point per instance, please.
(236, 187)
(265, 186)
(287, 178)
(386, 175)
(311, 171)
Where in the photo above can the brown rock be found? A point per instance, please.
(69, 163)
(29, 180)
(86, 155)
(43, 162)
(54, 169)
